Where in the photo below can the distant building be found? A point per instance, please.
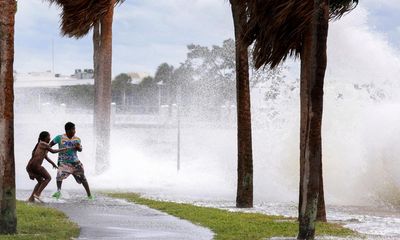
(50, 80)
(36, 90)
(85, 74)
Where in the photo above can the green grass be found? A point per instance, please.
(234, 225)
(37, 222)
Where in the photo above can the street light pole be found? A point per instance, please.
(178, 104)
(159, 84)
(52, 56)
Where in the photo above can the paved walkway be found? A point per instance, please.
(107, 218)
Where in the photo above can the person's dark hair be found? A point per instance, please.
(69, 126)
(42, 136)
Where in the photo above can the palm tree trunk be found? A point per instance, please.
(313, 66)
(244, 197)
(96, 52)
(102, 112)
(321, 210)
(8, 218)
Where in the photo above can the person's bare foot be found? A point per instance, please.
(37, 198)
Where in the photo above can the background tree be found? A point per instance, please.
(148, 90)
(213, 76)
(8, 217)
(207, 79)
(164, 77)
(292, 28)
(183, 78)
(244, 196)
(164, 73)
(120, 86)
(81, 96)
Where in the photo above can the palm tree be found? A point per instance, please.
(313, 66)
(102, 104)
(300, 28)
(244, 196)
(8, 217)
(78, 17)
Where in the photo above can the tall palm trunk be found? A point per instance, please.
(244, 197)
(102, 40)
(96, 53)
(313, 66)
(321, 211)
(8, 218)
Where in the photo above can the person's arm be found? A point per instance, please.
(55, 141)
(78, 146)
(56, 150)
(48, 148)
(52, 143)
(50, 161)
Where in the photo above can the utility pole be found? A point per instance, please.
(178, 104)
(159, 84)
(52, 55)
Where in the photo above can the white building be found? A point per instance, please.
(47, 80)
(36, 91)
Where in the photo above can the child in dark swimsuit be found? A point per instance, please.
(34, 167)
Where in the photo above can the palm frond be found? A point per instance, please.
(277, 27)
(79, 16)
(338, 8)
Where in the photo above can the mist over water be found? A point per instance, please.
(360, 135)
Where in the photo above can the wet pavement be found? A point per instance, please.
(107, 218)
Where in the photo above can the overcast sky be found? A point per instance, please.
(149, 32)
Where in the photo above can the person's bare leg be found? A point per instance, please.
(80, 177)
(59, 184)
(86, 186)
(47, 179)
(31, 198)
(57, 194)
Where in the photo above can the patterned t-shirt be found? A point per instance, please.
(70, 156)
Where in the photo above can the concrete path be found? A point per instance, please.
(107, 218)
